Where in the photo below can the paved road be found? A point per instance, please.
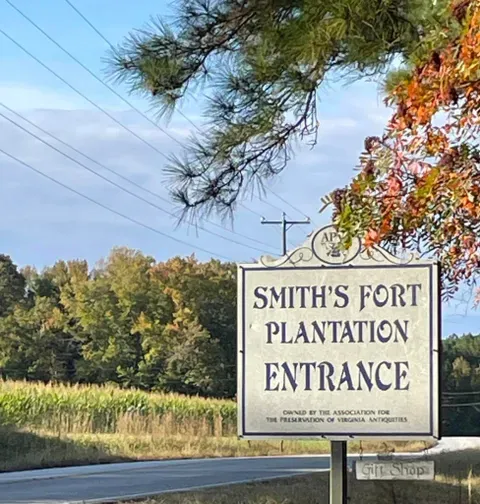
(101, 483)
(455, 444)
(109, 482)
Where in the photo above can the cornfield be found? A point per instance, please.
(55, 425)
(108, 409)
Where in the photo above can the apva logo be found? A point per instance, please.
(331, 241)
(327, 247)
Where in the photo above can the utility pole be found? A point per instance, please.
(286, 225)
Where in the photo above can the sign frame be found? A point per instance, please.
(310, 257)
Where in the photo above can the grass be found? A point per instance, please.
(455, 473)
(58, 425)
(30, 448)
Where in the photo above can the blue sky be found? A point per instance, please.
(43, 222)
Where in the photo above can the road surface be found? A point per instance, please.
(128, 480)
(110, 482)
(455, 444)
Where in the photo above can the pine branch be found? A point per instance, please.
(264, 61)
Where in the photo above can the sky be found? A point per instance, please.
(43, 222)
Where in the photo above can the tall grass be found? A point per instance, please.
(108, 409)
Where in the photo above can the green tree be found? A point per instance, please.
(57, 284)
(209, 291)
(194, 365)
(121, 313)
(263, 62)
(461, 372)
(461, 385)
(33, 344)
(12, 285)
(40, 284)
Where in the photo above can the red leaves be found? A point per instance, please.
(394, 185)
(427, 191)
(468, 205)
(371, 142)
(414, 167)
(372, 238)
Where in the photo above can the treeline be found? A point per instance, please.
(164, 326)
(461, 385)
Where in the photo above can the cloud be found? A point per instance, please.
(332, 125)
(94, 135)
(61, 222)
(23, 96)
(110, 144)
(380, 118)
(42, 203)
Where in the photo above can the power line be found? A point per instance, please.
(26, 51)
(104, 38)
(94, 75)
(271, 205)
(461, 405)
(281, 198)
(101, 109)
(106, 179)
(98, 203)
(92, 26)
(101, 165)
(20, 46)
(250, 210)
(461, 393)
(112, 47)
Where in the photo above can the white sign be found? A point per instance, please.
(395, 470)
(338, 345)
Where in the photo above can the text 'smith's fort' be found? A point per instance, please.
(380, 375)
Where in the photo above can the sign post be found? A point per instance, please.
(339, 345)
(338, 472)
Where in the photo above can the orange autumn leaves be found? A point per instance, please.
(419, 185)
